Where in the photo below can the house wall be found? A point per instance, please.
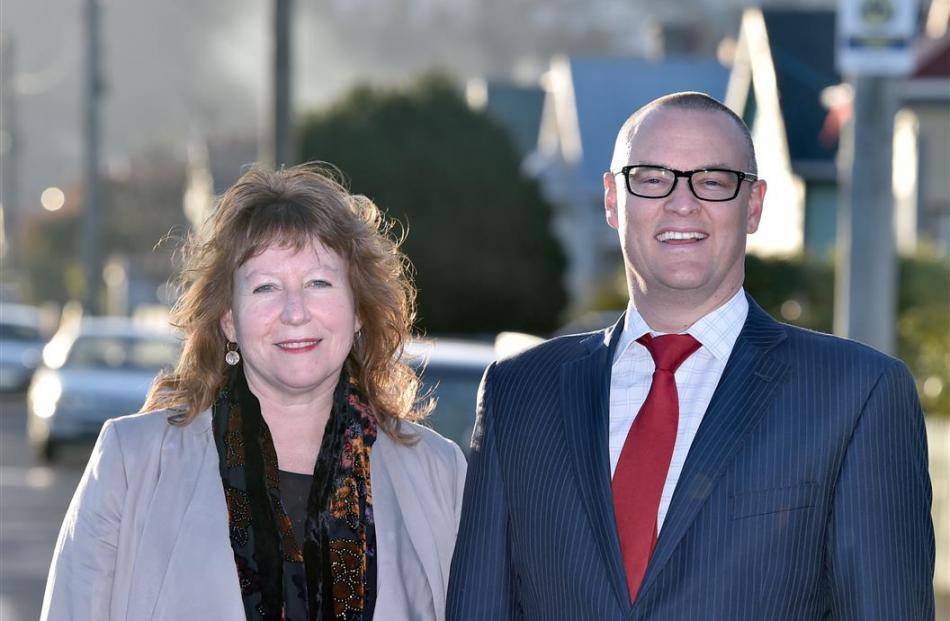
(821, 218)
(933, 195)
(781, 227)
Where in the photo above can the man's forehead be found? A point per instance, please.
(655, 122)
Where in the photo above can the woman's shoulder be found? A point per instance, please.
(136, 433)
(425, 441)
(423, 447)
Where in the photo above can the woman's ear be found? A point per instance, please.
(227, 326)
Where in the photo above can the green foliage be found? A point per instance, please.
(801, 292)
(478, 231)
(923, 329)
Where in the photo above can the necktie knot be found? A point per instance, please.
(670, 350)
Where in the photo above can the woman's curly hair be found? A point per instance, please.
(290, 208)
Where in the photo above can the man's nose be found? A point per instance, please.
(295, 309)
(681, 199)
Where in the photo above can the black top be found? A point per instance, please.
(294, 491)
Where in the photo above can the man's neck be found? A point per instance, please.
(673, 314)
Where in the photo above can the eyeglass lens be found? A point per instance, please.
(655, 182)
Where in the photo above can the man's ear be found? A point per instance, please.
(610, 199)
(756, 201)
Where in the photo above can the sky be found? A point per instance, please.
(176, 71)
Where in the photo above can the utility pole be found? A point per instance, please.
(282, 83)
(91, 234)
(9, 144)
(866, 272)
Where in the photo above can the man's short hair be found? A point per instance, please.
(688, 100)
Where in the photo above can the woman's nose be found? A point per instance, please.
(295, 309)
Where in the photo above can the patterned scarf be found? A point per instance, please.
(332, 574)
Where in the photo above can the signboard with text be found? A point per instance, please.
(876, 37)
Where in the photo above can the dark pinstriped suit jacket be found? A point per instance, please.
(805, 494)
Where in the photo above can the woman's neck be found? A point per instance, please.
(297, 430)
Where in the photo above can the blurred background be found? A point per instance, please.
(483, 128)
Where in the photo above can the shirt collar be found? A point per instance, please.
(717, 330)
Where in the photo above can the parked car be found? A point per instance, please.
(451, 371)
(93, 369)
(21, 341)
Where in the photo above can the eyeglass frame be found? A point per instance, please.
(688, 174)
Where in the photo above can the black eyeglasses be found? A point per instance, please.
(708, 184)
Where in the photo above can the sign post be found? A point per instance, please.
(875, 44)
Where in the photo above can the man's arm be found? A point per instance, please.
(880, 537)
(480, 584)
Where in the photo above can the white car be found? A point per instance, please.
(93, 369)
(451, 371)
(21, 341)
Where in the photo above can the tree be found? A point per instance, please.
(479, 232)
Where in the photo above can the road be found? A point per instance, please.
(33, 499)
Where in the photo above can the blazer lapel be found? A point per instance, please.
(585, 396)
(741, 398)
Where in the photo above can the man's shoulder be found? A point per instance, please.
(828, 348)
(549, 356)
(559, 348)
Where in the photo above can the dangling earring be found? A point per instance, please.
(232, 357)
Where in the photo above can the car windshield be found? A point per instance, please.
(19, 332)
(131, 353)
(455, 390)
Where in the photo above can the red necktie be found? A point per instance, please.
(645, 457)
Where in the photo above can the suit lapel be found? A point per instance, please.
(585, 395)
(742, 396)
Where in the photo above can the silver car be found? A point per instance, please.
(93, 369)
(21, 341)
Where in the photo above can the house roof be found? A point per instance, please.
(802, 44)
(608, 90)
(518, 109)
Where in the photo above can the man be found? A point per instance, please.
(698, 460)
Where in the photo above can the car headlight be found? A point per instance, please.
(44, 395)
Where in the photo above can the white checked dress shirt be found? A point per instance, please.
(696, 381)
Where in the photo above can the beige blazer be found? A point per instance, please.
(146, 534)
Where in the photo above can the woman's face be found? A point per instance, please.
(294, 318)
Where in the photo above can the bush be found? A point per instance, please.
(478, 230)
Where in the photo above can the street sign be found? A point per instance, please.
(876, 37)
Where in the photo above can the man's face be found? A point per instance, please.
(707, 267)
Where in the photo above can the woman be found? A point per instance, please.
(278, 473)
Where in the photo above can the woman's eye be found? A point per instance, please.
(319, 283)
(263, 288)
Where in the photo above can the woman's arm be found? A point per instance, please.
(79, 586)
